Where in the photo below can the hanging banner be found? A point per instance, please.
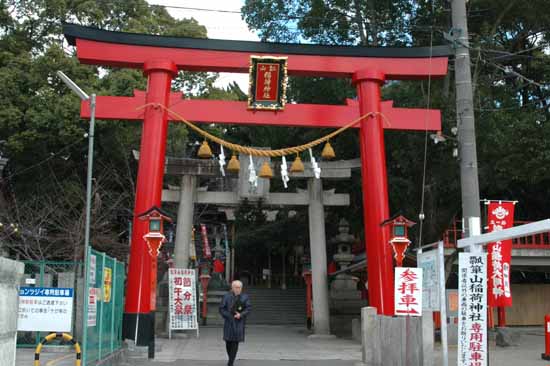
(268, 81)
(182, 298)
(500, 216)
(408, 291)
(206, 251)
(429, 263)
(192, 249)
(472, 316)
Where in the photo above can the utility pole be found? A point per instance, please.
(465, 120)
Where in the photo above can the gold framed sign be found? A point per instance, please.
(268, 81)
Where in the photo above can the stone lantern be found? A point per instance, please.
(344, 285)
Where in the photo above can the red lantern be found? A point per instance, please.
(399, 236)
(154, 239)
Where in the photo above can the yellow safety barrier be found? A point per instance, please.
(67, 337)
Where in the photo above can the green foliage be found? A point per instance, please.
(509, 44)
(39, 119)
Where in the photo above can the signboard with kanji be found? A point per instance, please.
(429, 263)
(182, 298)
(268, 81)
(92, 269)
(472, 310)
(45, 309)
(92, 307)
(107, 283)
(408, 291)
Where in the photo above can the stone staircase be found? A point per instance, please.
(269, 306)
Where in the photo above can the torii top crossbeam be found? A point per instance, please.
(161, 57)
(100, 47)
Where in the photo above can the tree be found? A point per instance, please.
(44, 137)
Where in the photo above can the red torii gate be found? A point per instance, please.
(161, 57)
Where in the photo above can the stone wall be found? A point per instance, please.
(11, 273)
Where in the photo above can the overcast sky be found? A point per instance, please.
(220, 25)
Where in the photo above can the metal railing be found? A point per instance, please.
(538, 241)
(103, 307)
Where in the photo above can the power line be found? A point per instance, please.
(52, 155)
(198, 9)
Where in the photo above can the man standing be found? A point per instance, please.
(234, 308)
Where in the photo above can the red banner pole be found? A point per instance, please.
(138, 318)
(375, 192)
(501, 316)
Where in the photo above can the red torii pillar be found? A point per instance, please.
(160, 57)
(375, 190)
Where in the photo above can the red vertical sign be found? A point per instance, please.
(207, 253)
(500, 216)
(267, 82)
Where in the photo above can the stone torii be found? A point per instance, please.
(188, 194)
(161, 57)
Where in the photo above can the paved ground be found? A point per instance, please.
(268, 343)
(286, 346)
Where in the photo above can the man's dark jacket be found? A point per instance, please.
(233, 329)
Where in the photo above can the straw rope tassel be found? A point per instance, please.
(264, 153)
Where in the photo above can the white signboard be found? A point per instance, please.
(430, 280)
(472, 310)
(92, 307)
(183, 298)
(408, 291)
(92, 270)
(45, 309)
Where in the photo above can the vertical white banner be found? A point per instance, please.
(429, 263)
(183, 298)
(472, 313)
(408, 291)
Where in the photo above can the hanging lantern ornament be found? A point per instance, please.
(328, 152)
(204, 151)
(265, 171)
(234, 165)
(297, 165)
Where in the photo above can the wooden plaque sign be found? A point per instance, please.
(268, 80)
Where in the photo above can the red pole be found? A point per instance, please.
(490, 319)
(138, 319)
(375, 192)
(307, 279)
(546, 354)
(501, 316)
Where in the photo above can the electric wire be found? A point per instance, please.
(425, 162)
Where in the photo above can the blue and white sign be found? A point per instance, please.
(45, 309)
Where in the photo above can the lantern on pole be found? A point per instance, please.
(399, 236)
(154, 238)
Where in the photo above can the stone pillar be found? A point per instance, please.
(318, 248)
(184, 225)
(11, 273)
